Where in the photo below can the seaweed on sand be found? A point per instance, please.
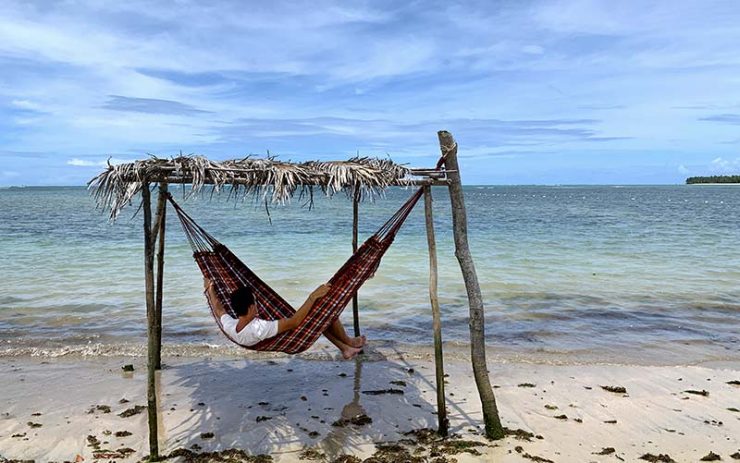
(520, 450)
(224, 456)
(358, 420)
(711, 456)
(135, 410)
(660, 458)
(615, 389)
(521, 434)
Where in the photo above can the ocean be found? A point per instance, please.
(645, 274)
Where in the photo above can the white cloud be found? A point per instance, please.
(682, 169)
(26, 104)
(86, 163)
(82, 163)
(721, 165)
(533, 49)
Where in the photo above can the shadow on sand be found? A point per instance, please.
(289, 404)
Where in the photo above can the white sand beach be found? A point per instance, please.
(295, 409)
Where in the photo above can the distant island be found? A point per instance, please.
(714, 179)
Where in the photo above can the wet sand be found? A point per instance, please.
(295, 409)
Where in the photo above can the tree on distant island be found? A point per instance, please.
(714, 179)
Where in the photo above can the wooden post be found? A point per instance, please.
(160, 232)
(355, 226)
(491, 419)
(151, 392)
(436, 318)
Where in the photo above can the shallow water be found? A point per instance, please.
(645, 272)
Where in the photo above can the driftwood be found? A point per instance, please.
(491, 419)
(355, 231)
(436, 316)
(151, 389)
(159, 232)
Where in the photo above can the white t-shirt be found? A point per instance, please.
(255, 331)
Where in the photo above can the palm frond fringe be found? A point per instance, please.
(269, 179)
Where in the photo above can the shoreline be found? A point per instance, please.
(285, 407)
(673, 354)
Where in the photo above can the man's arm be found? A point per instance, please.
(285, 324)
(218, 309)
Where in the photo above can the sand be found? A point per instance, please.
(57, 409)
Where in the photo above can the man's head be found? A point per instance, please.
(241, 300)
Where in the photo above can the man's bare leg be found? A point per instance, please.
(348, 351)
(337, 329)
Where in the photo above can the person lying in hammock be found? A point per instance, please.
(248, 329)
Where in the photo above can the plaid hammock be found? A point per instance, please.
(228, 273)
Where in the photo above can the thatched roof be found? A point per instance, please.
(269, 179)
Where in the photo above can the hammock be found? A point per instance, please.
(227, 272)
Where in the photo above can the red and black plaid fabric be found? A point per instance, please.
(228, 273)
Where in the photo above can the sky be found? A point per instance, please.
(535, 92)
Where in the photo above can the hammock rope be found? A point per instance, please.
(227, 272)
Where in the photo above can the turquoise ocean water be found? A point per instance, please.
(643, 273)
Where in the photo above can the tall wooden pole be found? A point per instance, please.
(151, 391)
(160, 232)
(491, 419)
(355, 226)
(436, 317)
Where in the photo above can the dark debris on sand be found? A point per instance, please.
(384, 391)
(358, 420)
(418, 446)
(695, 392)
(520, 450)
(135, 410)
(711, 456)
(123, 452)
(521, 434)
(99, 408)
(660, 458)
(615, 389)
(736, 455)
(224, 456)
(606, 451)
(311, 454)
(346, 459)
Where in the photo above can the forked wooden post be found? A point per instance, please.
(151, 392)
(491, 419)
(159, 234)
(436, 317)
(355, 226)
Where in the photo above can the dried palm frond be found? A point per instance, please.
(269, 179)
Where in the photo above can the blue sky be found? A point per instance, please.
(534, 91)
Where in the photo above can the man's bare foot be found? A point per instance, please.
(359, 341)
(350, 352)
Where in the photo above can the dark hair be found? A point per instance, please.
(241, 300)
